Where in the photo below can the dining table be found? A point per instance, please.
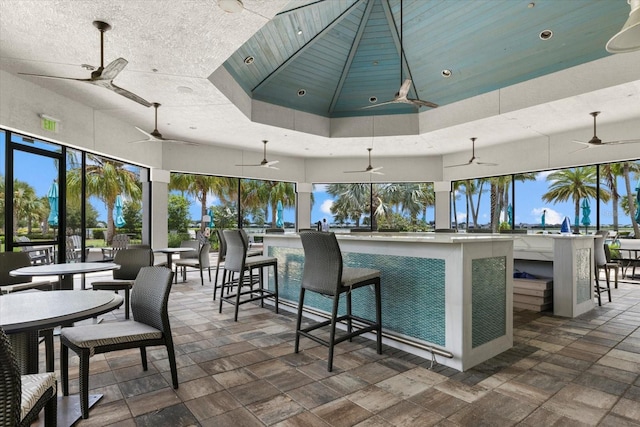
(169, 252)
(65, 272)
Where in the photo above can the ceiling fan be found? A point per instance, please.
(401, 96)
(104, 76)
(155, 135)
(265, 163)
(369, 169)
(597, 142)
(473, 160)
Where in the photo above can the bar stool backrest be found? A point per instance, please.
(236, 251)
(322, 262)
(131, 261)
(598, 251)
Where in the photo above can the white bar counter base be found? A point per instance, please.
(566, 258)
(452, 292)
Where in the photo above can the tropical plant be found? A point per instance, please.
(574, 184)
(200, 186)
(178, 213)
(105, 179)
(27, 207)
(266, 195)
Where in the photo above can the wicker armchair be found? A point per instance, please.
(22, 397)
(150, 327)
(237, 262)
(324, 274)
(10, 261)
(130, 261)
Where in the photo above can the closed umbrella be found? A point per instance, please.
(638, 201)
(586, 211)
(543, 219)
(52, 195)
(210, 213)
(510, 215)
(119, 220)
(279, 220)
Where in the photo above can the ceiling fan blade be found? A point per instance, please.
(150, 136)
(404, 89)
(132, 96)
(486, 164)
(112, 70)
(55, 77)
(622, 141)
(421, 103)
(355, 172)
(271, 163)
(580, 149)
(268, 166)
(393, 101)
(375, 170)
(459, 164)
(180, 141)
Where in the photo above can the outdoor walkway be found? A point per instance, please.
(560, 371)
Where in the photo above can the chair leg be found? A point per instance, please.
(215, 282)
(299, 319)
(606, 272)
(240, 279)
(143, 357)
(84, 382)
(172, 362)
(349, 322)
(378, 316)
(598, 287)
(275, 275)
(209, 268)
(332, 332)
(127, 295)
(48, 348)
(201, 277)
(64, 369)
(51, 411)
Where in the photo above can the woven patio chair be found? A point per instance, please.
(150, 327)
(22, 397)
(199, 263)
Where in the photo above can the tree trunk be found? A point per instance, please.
(110, 224)
(630, 195)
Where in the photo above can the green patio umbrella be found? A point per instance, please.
(52, 195)
(119, 219)
(279, 219)
(586, 211)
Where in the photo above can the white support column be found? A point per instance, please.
(303, 205)
(443, 203)
(159, 207)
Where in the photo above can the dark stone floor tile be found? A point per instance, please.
(143, 385)
(602, 383)
(175, 416)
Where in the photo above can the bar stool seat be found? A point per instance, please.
(237, 262)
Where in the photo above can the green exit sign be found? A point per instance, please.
(49, 124)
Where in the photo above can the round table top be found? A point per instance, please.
(61, 269)
(173, 250)
(23, 311)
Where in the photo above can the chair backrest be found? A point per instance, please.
(120, 241)
(203, 255)
(222, 244)
(245, 237)
(150, 296)
(598, 251)
(10, 261)
(130, 262)
(322, 262)
(10, 384)
(193, 244)
(236, 251)
(72, 249)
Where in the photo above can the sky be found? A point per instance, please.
(40, 172)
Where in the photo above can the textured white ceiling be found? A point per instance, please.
(186, 41)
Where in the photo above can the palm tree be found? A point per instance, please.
(105, 179)
(627, 167)
(575, 184)
(352, 200)
(26, 205)
(200, 186)
(609, 174)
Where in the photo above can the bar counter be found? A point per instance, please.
(452, 293)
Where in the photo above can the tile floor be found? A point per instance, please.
(563, 372)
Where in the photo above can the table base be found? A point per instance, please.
(69, 412)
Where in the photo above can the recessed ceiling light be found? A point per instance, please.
(373, 99)
(184, 89)
(249, 60)
(155, 70)
(302, 92)
(192, 127)
(531, 5)
(546, 34)
(88, 67)
(231, 6)
(446, 73)
(299, 31)
(375, 62)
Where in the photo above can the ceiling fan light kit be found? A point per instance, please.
(628, 38)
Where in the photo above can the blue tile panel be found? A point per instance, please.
(413, 291)
(583, 275)
(489, 299)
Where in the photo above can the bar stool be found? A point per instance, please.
(324, 273)
(237, 262)
(601, 262)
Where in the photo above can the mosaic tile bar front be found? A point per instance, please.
(413, 291)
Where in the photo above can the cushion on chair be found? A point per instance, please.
(104, 334)
(351, 276)
(33, 387)
(257, 260)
